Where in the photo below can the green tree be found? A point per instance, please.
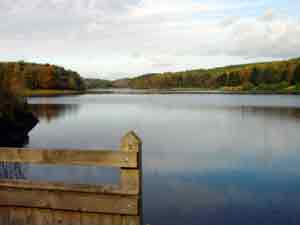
(233, 79)
(296, 77)
(255, 76)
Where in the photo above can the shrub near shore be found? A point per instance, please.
(15, 118)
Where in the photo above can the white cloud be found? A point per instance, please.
(129, 37)
(276, 37)
(166, 7)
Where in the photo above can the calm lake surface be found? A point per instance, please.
(207, 159)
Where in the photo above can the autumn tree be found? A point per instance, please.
(296, 77)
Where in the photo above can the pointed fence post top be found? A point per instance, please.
(131, 142)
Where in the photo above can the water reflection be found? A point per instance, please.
(219, 199)
(72, 174)
(277, 112)
(49, 112)
(12, 171)
(18, 142)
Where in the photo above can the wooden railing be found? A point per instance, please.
(25, 202)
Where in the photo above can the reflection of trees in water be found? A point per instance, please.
(279, 112)
(12, 171)
(50, 112)
(17, 142)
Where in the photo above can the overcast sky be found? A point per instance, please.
(117, 38)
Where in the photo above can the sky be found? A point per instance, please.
(114, 39)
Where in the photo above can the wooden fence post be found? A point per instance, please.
(131, 179)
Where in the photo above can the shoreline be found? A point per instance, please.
(186, 91)
(50, 93)
(57, 93)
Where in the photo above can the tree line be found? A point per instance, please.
(20, 75)
(276, 75)
(98, 83)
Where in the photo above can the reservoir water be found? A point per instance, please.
(207, 159)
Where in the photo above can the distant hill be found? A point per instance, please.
(98, 83)
(123, 83)
(277, 75)
(18, 75)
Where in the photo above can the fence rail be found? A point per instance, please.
(38, 203)
(70, 157)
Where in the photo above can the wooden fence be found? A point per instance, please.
(43, 203)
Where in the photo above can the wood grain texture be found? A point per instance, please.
(35, 216)
(66, 218)
(40, 217)
(50, 186)
(18, 216)
(131, 143)
(130, 181)
(130, 178)
(82, 202)
(69, 157)
(4, 215)
(90, 219)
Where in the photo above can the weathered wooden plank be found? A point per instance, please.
(89, 219)
(82, 202)
(130, 181)
(66, 218)
(117, 220)
(131, 220)
(58, 218)
(35, 216)
(101, 219)
(4, 216)
(105, 219)
(35, 185)
(69, 157)
(41, 217)
(18, 216)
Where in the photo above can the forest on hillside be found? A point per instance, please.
(97, 83)
(272, 76)
(21, 75)
(277, 75)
